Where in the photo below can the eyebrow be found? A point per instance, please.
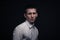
(33, 12)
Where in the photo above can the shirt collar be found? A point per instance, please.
(28, 24)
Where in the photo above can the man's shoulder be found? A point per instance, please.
(20, 26)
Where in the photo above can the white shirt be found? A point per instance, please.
(25, 32)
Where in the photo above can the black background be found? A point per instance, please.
(13, 15)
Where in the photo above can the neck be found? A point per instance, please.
(32, 23)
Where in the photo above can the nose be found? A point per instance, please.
(32, 15)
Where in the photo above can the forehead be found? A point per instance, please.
(31, 10)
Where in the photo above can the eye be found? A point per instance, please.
(34, 13)
(29, 13)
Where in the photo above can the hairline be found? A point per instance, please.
(30, 8)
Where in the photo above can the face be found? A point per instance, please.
(31, 14)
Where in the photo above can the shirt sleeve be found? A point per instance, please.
(17, 34)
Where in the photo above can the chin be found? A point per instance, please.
(32, 21)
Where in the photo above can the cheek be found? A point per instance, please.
(35, 16)
(28, 17)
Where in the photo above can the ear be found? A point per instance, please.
(37, 15)
(24, 15)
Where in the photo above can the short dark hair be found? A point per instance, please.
(30, 6)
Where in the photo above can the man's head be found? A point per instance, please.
(31, 14)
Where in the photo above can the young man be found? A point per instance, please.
(27, 30)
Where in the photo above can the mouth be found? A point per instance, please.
(32, 19)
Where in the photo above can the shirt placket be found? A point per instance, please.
(32, 33)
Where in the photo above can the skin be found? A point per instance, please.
(31, 15)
